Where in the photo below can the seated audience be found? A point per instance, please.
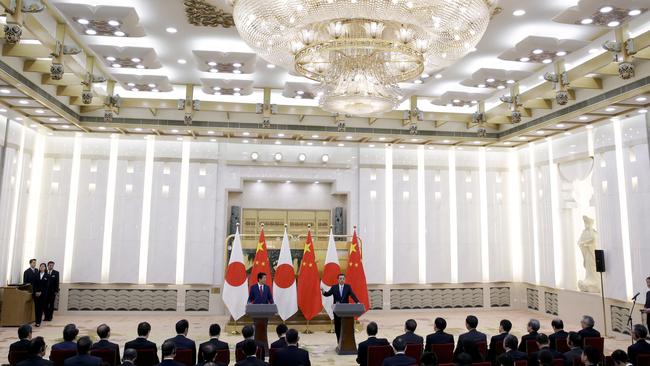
(281, 331)
(142, 343)
(505, 360)
(641, 345)
(559, 335)
(543, 345)
(181, 341)
(472, 349)
(510, 345)
(249, 346)
(544, 357)
(590, 356)
(207, 353)
(215, 332)
(248, 332)
(291, 354)
(428, 359)
(575, 350)
(587, 323)
(24, 338)
(472, 335)
(70, 333)
(83, 358)
(438, 336)
(409, 335)
(533, 328)
(36, 353)
(104, 332)
(129, 357)
(504, 329)
(400, 358)
(464, 359)
(168, 352)
(619, 357)
(362, 350)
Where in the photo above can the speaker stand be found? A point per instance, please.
(602, 296)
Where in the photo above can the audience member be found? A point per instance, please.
(505, 360)
(510, 345)
(362, 350)
(533, 328)
(544, 345)
(504, 329)
(168, 352)
(36, 353)
(24, 338)
(207, 354)
(281, 331)
(83, 358)
(544, 357)
(472, 335)
(70, 333)
(141, 342)
(619, 357)
(575, 350)
(291, 354)
(464, 359)
(587, 323)
(641, 345)
(409, 335)
(104, 332)
(400, 358)
(590, 356)
(471, 348)
(181, 341)
(438, 336)
(215, 332)
(249, 346)
(428, 359)
(129, 357)
(248, 332)
(559, 334)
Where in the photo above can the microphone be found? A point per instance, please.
(637, 295)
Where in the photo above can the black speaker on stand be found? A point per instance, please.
(599, 255)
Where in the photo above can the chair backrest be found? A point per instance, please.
(643, 359)
(414, 350)
(377, 354)
(185, 356)
(107, 355)
(16, 356)
(521, 363)
(58, 356)
(498, 349)
(531, 346)
(146, 357)
(558, 362)
(561, 345)
(272, 352)
(444, 352)
(482, 348)
(596, 342)
(240, 355)
(223, 356)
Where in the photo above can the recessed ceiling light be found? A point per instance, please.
(288, 181)
(641, 99)
(314, 136)
(547, 61)
(236, 94)
(560, 53)
(586, 21)
(245, 141)
(236, 71)
(567, 133)
(216, 88)
(278, 157)
(589, 127)
(642, 111)
(456, 100)
(481, 86)
(117, 66)
(5, 91)
(280, 135)
(135, 89)
(113, 23)
(634, 12)
(610, 109)
(138, 129)
(519, 12)
(236, 89)
(501, 87)
(236, 64)
(371, 145)
(540, 132)
(490, 80)
(23, 101)
(560, 125)
(302, 157)
(130, 84)
(538, 51)
(401, 146)
(91, 32)
(510, 81)
(33, 125)
(171, 30)
(155, 90)
(139, 66)
(278, 142)
(438, 76)
(613, 23)
(181, 61)
(136, 60)
(53, 119)
(213, 70)
(300, 92)
(174, 131)
(594, 50)
(583, 118)
(310, 143)
(270, 66)
(474, 102)
(348, 137)
(151, 85)
(245, 133)
(523, 138)
(213, 140)
(39, 111)
(110, 58)
(606, 9)
(445, 141)
(325, 158)
(18, 118)
(382, 139)
(425, 75)
(477, 142)
(83, 21)
(119, 33)
(524, 59)
(65, 126)
(101, 128)
(507, 143)
(417, 81)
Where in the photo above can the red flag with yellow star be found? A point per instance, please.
(356, 276)
(261, 263)
(309, 296)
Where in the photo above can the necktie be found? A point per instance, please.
(261, 292)
(341, 291)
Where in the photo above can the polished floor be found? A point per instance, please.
(321, 345)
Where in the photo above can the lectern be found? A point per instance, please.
(260, 313)
(347, 313)
(17, 306)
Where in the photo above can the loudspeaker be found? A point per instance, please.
(339, 221)
(600, 260)
(235, 214)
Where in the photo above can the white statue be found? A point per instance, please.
(587, 245)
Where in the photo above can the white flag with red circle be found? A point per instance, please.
(235, 288)
(331, 273)
(284, 285)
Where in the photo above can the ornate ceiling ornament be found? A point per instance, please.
(202, 14)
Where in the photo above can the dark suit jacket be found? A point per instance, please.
(472, 336)
(29, 276)
(53, 286)
(411, 338)
(571, 355)
(65, 345)
(517, 355)
(251, 361)
(83, 360)
(35, 361)
(588, 333)
(492, 351)
(439, 337)
(142, 343)
(182, 342)
(559, 336)
(347, 293)
(40, 284)
(169, 362)
(399, 360)
(280, 343)
(219, 345)
(257, 297)
(105, 344)
(533, 359)
(362, 350)
(525, 338)
(641, 346)
(259, 345)
(647, 300)
(20, 345)
(291, 356)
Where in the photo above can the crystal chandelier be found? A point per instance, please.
(359, 50)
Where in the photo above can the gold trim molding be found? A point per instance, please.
(202, 14)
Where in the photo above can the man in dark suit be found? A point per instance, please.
(207, 353)
(362, 350)
(261, 292)
(141, 343)
(29, 276)
(409, 335)
(168, 352)
(590, 356)
(543, 344)
(36, 353)
(533, 328)
(292, 354)
(646, 307)
(438, 336)
(472, 335)
(559, 335)
(400, 359)
(575, 352)
(342, 293)
(639, 335)
(104, 333)
(52, 290)
(249, 346)
(281, 331)
(504, 329)
(248, 332)
(215, 332)
(83, 358)
(70, 332)
(24, 338)
(510, 346)
(587, 323)
(181, 341)
(129, 357)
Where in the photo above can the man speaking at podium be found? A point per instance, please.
(342, 293)
(260, 293)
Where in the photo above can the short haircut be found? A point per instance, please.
(24, 331)
(260, 275)
(130, 354)
(542, 338)
(440, 323)
(215, 330)
(411, 325)
(372, 329)
(545, 357)
(399, 344)
(429, 359)
(592, 354)
(506, 325)
(472, 321)
(575, 339)
(619, 356)
(182, 326)
(83, 345)
(340, 274)
(465, 359)
(50, 262)
(557, 323)
(33, 260)
(143, 329)
(103, 331)
(292, 336)
(588, 320)
(36, 345)
(70, 332)
(534, 324)
(511, 341)
(247, 331)
(281, 329)
(647, 279)
(505, 360)
(209, 351)
(640, 331)
(168, 348)
(250, 347)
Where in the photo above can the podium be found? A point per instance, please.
(17, 306)
(260, 313)
(347, 313)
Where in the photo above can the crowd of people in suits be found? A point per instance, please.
(45, 285)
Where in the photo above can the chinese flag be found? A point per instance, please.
(309, 296)
(356, 276)
(261, 263)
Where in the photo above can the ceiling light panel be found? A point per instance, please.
(225, 62)
(102, 20)
(541, 49)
